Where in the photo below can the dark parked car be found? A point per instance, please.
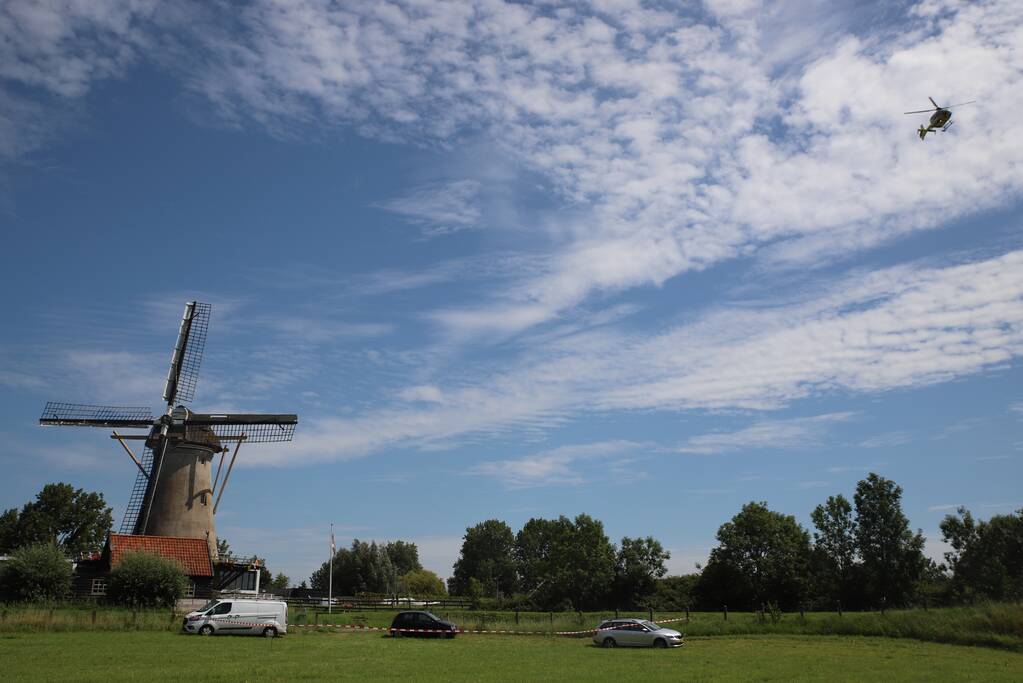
(422, 624)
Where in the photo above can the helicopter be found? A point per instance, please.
(940, 119)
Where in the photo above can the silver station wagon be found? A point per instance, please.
(635, 633)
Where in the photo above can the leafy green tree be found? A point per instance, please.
(36, 573)
(834, 551)
(147, 580)
(423, 582)
(639, 562)
(280, 583)
(76, 520)
(566, 563)
(363, 568)
(892, 555)
(986, 557)
(762, 557)
(675, 593)
(487, 555)
(404, 556)
(9, 530)
(474, 591)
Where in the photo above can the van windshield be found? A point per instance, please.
(208, 605)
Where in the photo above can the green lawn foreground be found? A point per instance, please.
(106, 656)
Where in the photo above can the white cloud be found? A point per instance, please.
(439, 208)
(944, 508)
(898, 328)
(674, 142)
(55, 51)
(888, 440)
(558, 466)
(803, 432)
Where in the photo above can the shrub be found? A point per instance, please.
(423, 582)
(144, 579)
(36, 573)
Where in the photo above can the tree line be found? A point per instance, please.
(391, 568)
(861, 554)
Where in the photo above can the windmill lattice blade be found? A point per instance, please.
(267, 432)
(191, 358)
(85, 415)
(138, 493)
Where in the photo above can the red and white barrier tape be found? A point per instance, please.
(355, 627)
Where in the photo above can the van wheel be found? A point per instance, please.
(206, 630)
(269, 632)
(610, 642)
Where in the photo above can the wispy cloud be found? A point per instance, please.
(888, 440)
(439, 208)
(655, 128)
(804, 432)
(564, 465)
(902, 327)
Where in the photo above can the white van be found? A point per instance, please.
(243, 616)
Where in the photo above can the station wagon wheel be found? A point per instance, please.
(610, 642)
(660, 642)
(270, 632)
(206, 630)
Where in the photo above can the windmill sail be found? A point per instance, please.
(138, 493)
(86, 415)
(254, 428)
(187, 356)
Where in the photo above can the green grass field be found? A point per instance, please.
(311, 655)
(994, 625)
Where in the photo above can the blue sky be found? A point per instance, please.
(645, 261)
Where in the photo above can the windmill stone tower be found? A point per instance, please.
(174, 492)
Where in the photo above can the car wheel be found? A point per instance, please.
(206, 630)
(610, 642)
(269, 632)
(660, 642)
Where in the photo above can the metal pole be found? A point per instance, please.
(330, 574)
(131, 455)
(228, 473)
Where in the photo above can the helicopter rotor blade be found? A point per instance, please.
(922, 111)
(936, 105)
(960, 104)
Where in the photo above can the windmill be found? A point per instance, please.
(174, 494)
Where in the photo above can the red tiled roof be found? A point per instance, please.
(192, 553)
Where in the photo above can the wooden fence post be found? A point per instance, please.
(650, 611)
(516, 617)
(316, 618)
(726, 612)
(687, 614)
(93, 617)
(839, 609)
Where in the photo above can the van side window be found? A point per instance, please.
(222, 608)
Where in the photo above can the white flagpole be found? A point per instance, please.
(330, 580)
